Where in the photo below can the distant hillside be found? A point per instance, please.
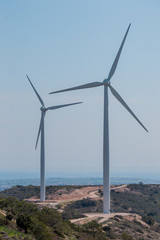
(135, 198)
(22, 220)
(141, 199)
(25, 192)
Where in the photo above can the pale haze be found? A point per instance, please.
(62, 44)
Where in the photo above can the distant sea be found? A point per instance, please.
(5, 184)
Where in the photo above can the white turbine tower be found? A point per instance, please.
(41, 131)
(106, 83)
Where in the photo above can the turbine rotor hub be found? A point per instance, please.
(106, 82)
(43, 109)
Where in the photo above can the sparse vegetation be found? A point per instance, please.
(78, 208)
(43, 224)
(126, 236)
(27, 221)
(141, 199)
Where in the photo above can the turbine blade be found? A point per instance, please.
(88, 85)
(40, 99)
(39, 131)
(118, 97)
(38, 134)
(61, 106)
(115, 63)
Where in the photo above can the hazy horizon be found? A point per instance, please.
(35, 175)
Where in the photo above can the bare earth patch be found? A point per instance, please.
(62, 196)
(77, 194)
(122, 188)
(102, 218)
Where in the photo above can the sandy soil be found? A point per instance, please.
(2, 212)
(122, 188)
(77, 194)
(101, 218)
(61, 196)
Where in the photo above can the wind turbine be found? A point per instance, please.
(106, 83)
(41, 131)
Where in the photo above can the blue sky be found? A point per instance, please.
(61, 44)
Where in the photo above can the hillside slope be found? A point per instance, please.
(135, 210)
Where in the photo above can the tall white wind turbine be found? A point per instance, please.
(106, 83)
(41, 131)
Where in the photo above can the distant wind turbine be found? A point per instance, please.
(106, 83)
(41, 131)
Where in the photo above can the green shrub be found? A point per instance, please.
(109, 232)
(94, 229)
(24, 222)
(126, 236)
(41, 231)
(149, 220)
(3, 220)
